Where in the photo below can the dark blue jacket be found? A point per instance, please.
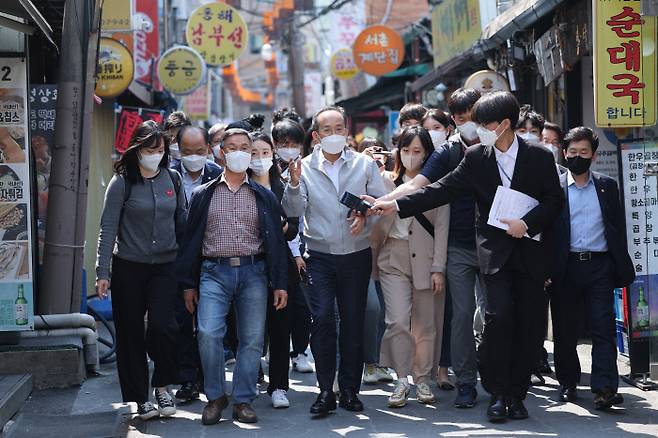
(271, 231)
(615, 232)
(210, 172)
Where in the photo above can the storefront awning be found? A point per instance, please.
(24, 9)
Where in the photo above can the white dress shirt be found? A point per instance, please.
(506, 162)
(333, 169)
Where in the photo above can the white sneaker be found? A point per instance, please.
(280, 399)
(146, 411)
(400, 395)
(383, 375)
(166, 405)
(370, 376)
(424, 394)
(301, 364)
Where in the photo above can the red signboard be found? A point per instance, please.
(129, 120)
(146, 49)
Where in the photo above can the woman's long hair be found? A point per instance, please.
(148, 135)
(275, 172)
(405, 139)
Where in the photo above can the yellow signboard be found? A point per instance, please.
(342, 64)
(455, 27)
(624, 65)
(117, 16)
(218, 32)
(181, 70)
(115, 68)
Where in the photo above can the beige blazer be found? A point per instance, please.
(427, 255)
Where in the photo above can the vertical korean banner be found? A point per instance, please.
(43, 103)
(146, 42)
(16, 270)
(624, 65)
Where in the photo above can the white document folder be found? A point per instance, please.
(510, 204)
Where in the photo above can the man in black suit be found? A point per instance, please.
(590, 260)
(196, 170)
(514, 266)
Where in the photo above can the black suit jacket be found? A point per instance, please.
(534, 175)
(615, 232)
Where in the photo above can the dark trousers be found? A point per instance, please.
(138, 288)
(512, 329)
(278, 335)
(189, 362)
(300, 320)
(445, 360)
(341, 279)
(592, 281)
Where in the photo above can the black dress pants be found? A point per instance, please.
(593, 281)
(188, 348)
(513, 329)
(300, 320)
(138, 288)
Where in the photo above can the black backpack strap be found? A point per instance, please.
(422, 219)
(455, 150)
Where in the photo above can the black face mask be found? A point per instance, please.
(578, 165)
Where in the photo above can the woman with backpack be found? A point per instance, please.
(143, 218)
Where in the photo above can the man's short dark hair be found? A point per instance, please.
(439, 116)
(555, 128)
(175, 120)
(581, 133)
(186, 128)
(496, 107)
(232, 132)
(528, 114)
(412, 111)
(338, 109)
(462, 100)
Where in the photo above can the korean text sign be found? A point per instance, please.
(624, 65)
(378, 50)
(455, 28)
(181, 70)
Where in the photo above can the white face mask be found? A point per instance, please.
(411, 162)
(468, 130)
(237, 161)
(438, 138)
(554, 150)
(174, 151)
(487, 136)
(194, 163)
(261, 166)
(530, 138)
(150, 162)
(210, 157)
(287, 154)
(333, 144)
(215, 151)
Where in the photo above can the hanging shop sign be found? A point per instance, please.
(117, 16)
(197, 104)
(115, 69)
(128, 121)
(146, 46)
(181, 70)
(455, 28)
(218, 32)
(378, 50)
(487, 81)
(343, 66)
(16, 234)
(624, 65)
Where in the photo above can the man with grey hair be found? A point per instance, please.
(215, 134)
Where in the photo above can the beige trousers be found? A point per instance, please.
(414, 318)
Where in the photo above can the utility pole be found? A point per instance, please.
(296, 66)
(61, 281)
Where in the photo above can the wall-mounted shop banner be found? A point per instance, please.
(16, 234)
(197, 104)
(146, 47)
(378, 50)
(624, 64)
(218, 32)
(128, 121)
(455, 28)
(181, 70)
(117, 15)
(115, 69)
(343, 66)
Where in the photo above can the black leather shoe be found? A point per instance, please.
(516, 410)
(606, 398)
(349, 401)
(497, 410)
(536, 379)
(568, 394)
(545, 367)
(187, 392)
(325, 403)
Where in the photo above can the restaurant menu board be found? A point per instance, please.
(641, 206)
(16, 270)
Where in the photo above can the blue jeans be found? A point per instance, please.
(246, 288)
